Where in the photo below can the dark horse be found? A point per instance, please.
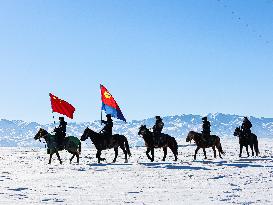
(71, 144)
(214, 141)
(244, 141)
(164, 142)
(103, 142)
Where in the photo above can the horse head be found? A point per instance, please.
(142, 130)
(190, 136)
(237, 131)
(85, 134)
(88, 133)
(40, 134)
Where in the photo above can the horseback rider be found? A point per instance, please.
(246, 125)
(107, 130)
(61, 131)
(159, 124)
(206, 129)
(157, 128)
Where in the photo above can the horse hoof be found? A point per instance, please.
(126, 161)
(114, 161)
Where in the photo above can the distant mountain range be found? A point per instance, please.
(15, 133)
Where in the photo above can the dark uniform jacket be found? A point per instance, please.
(206, 128)
(62, 127)
(61, 132)
(246, 126)
(108, 127)
(158, 127)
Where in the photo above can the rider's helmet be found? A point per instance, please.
(204, 118)
(109, 116)
(61, 119)
(158, 117)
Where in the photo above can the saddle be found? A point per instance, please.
(209, 140)
(157, 139)
(107, 140)
(246, 135)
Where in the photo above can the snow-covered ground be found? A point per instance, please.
(26, 178)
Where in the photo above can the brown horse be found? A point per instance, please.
(214, 141)
(71, 144)
(103, 142)
(164, 141)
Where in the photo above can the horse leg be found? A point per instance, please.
(125, 153)
(78, 158)
(50, 158)
(116, 154)
(196, 152)
(98, 155)
(241, 149)
(165, 153)
(153, 154)
(59, 158)
(72, 158)
(174, 151)
(147, 153)
(219, 153)
(205, 154)
(251, 146)
(214, 151)
(247, 150)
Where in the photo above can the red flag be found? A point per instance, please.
(61, 106)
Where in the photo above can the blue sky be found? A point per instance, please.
(155, 57)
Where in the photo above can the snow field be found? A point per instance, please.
(26, 178)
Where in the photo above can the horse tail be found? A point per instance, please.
(219, 146)
(175, 146)
(256, 147)
(127, 146)
(172, 144)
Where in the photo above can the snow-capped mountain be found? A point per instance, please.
(19, 133)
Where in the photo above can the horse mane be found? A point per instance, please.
(92, 132)
(195, 133)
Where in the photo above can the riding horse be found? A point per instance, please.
(245, 141)
(71, 144)
(214, 141)
(103, 142)
(164, 141)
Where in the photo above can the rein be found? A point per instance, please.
(43, 136)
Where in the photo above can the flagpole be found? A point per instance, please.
(53, 117)
(101, 117)
(101, 109)
(52, 111)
